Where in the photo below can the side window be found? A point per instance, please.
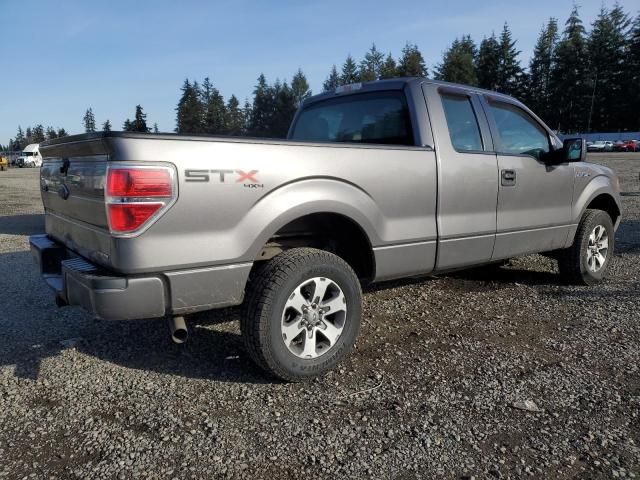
(519, 133)
(462, 123)
(376, 117)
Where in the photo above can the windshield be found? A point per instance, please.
(27, 154)
(376, 117)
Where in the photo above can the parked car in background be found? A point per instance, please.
(618, 146)
(630, 146)
(600, 146)
(30, 156)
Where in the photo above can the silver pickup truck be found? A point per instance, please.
(376, 181)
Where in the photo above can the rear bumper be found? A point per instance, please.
(78, 282)
(110, 296)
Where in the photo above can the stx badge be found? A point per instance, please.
(248, 179)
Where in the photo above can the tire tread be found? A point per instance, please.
(264, 285)
(569, 259)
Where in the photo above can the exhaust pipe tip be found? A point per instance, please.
(61, 302)
(179, 331)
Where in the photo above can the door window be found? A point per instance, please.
(519, 133)
(462, 123)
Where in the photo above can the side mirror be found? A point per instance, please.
(574, 150)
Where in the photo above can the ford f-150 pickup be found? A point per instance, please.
(381, 180)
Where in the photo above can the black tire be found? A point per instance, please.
(573, 261)
(270, 286)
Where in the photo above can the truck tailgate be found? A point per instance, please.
(73, 187)
(72, 184)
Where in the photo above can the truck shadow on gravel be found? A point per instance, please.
(34, 331)
(628, 237)
(22, 224)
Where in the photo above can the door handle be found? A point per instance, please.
(508, 178)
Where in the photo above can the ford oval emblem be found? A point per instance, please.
(63, 192)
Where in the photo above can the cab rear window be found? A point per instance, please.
(376, 117)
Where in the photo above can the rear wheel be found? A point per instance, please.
(586, 261)
(302, 313)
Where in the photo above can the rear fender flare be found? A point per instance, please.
(303, 197)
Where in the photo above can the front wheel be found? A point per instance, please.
(586, 261)
(302, 313)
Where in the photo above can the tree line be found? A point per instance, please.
(576, 81)
(202, 109)
(39, 134)
(36, 134)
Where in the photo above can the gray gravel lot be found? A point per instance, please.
(498, 373)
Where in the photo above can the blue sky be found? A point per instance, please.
(58, 58)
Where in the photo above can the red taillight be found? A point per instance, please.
(135, 195)
(139, 182)
(127, 217)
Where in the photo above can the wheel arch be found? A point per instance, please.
(330, 231)
(322, 213)
(606, 202)
(598, 194)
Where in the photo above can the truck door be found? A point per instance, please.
(534, 200)
(467, 177)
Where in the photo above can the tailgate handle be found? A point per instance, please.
(65, 166)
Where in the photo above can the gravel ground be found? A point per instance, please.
(492, 373)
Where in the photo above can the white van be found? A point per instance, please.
(30, 156)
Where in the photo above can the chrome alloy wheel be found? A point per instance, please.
(313, 317)
(597, 248)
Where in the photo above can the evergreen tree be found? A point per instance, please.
(568, 82)
(458, 63)
(189, 110)
(263, 110)
(389, 69)
(127, 126)
(234, 117)
(411, 62)
(51, 133)
(606, 48)
(39, 135)
(28, 136)
(371, 65)
(349, 71)
(206, 91)
(89, 121)
(538, 94)
(247, 115)
(631, 115)
(510, 73)
(20, 141)
(332, 81)
(139, 123)
(155, 128)
(487, 63)
(214, 109)
(62, 133)
(300, 88)
(285, 108)
(106, 126)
